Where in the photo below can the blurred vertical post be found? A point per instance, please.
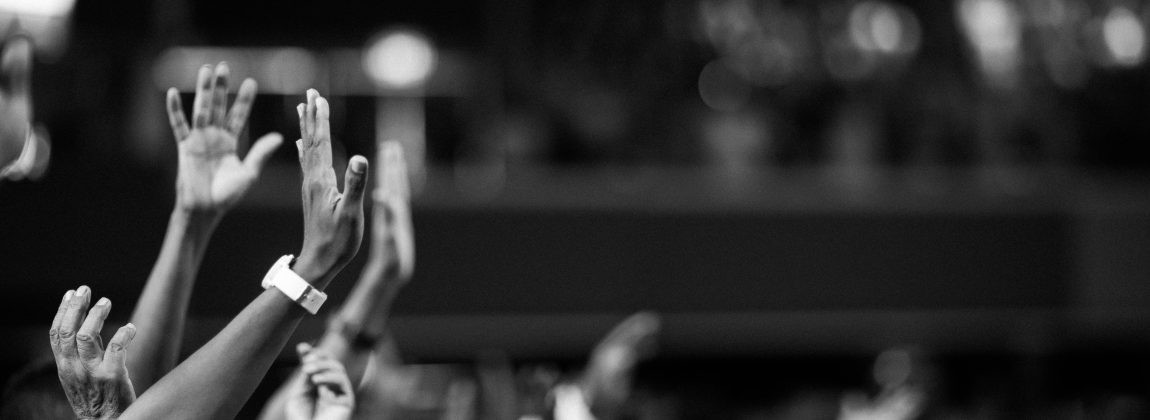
(400, 61)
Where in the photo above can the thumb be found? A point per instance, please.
(355, 182)
(115, 357)
(261, 151)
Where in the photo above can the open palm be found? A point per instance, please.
(212, 178)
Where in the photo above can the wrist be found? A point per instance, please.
(196, 219)
(313, 272)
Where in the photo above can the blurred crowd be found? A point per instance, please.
(733, 84)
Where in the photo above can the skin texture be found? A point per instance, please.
(211, 179)
(323, 390)
(95, 379)
(391, 262)
(216, 380)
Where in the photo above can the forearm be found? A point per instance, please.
(163, 306)
(362, 320)
(365, 310)
(217, 379)
(370, 301)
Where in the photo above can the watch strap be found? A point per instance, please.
(293, 286)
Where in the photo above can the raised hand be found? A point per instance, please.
(606, 384)
(393, 237)
(212, 178)
(323, 391)
(333, 221)
(95, 379)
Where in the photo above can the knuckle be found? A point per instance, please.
(66, 335)
(116, 347)
(85, 337)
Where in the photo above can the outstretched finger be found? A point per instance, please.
(243, 106)
(261, 151)
(301, 110)
(220, 94)
(202, 105)
(336, 379)
(115, 357)
(309, 114)
(634, 330)
(176, 115)
(322, 115)
(16, 66)
(54, 332)
(355, 183)
(70, 324)
(303, 348)
(88, 343)
(393, 182)
(314, 363)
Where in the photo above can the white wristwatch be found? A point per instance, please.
(291, 284)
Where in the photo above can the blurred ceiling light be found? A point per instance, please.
(991, 25)
(284, 71)
(994, 29)
(721, 88)
(45, 8)
(400, 59)
(883, 27)
(1124, 36)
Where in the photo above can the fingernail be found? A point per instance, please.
(83, 290)
(69, 294)
(103, 301)
(321, 107)
(131, 330)
(358, 166)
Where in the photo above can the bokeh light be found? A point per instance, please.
(400, 59)
(721, 88)
(1124, 36)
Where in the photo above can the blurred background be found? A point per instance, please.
(794, 185)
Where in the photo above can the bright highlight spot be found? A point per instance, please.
(991, 25)
(882, 27)
(994, 29)
(400, 59)
(1125, 38)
